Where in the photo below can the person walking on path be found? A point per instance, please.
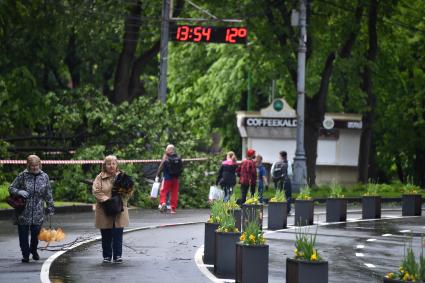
(279, 173)
(262, 176)
(111, 227)
(227, 175)
(171, 166)
(247, 173)
(34, 185)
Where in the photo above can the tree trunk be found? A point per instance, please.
(314, 114)
(316, 106)
(419, 165)
(72, 61)
(122, 74)
(367, 86)
(136, 87)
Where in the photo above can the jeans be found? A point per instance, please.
(260, 192)
(286, 185)
(112, 242)
(227, 193)
(244, 191)
(27, 248)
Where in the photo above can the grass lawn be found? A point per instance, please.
(390, 191)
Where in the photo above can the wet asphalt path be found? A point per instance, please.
(357, 251)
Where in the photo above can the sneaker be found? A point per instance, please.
(118, 259)
(25, 259)
(173, 211)
(35, 256)
(168, 207)
(107, 259)
(163, 207)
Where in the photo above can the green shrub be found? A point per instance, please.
(4, 191)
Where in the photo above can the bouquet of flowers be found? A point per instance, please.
(252, 235)
(123, 185)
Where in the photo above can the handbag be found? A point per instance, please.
(113, 206)
(215, 193)
(17, 202)
(155, 189)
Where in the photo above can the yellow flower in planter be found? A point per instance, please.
(390, 275)
(410, 269)
(406, 276)
(253, 235)
(305, 245)
(243, 237)
(305, 193)
(227, 224)
(314, 256)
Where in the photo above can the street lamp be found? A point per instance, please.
(300, 168)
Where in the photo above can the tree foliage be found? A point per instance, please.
(82, 76)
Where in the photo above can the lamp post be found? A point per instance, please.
(300, 168)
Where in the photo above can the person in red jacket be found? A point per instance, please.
(247, 173)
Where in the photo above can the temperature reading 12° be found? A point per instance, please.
(234, 35)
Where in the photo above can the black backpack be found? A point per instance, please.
(280, 170)
(175, 165)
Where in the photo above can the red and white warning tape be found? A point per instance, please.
(96, 161)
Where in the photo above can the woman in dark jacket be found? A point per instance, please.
(33, 185)
(227, 175)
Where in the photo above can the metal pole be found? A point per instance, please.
(165, 24)
(300, 168)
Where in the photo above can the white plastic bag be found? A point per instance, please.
(215, 193)
(155, 189)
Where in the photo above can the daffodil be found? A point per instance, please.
(390, 275)
(313, 256)
(406, 276)
(243, 237)
(252, 237)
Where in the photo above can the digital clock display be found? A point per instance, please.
(230, 35)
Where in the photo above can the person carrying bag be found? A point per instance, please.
(111, 226)
(33, 185)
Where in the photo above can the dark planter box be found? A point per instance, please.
(300, 271)
(237, 215)
(278, 214)
(412, 205)
(336, 210)
(252, 263)
(252, 212)
(388, 280)
(209, 242)
(371, 207)
(304, 212)
(225, 253)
